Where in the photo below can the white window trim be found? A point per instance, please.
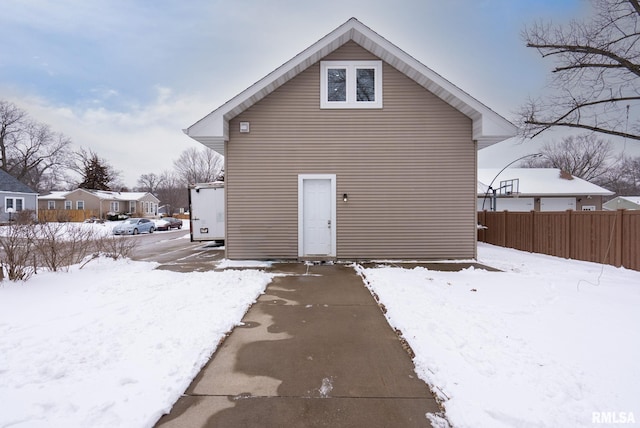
(68, 205)
(351, 67)
(14, 199)
(78, 202)
(51, 205)
(116, 205)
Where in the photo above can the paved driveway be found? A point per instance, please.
(314, 351)
(174, 251)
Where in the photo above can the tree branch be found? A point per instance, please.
(635, 5)
(585, 49)
(547, 125)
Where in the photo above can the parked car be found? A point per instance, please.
(167, 223)
(133, 226)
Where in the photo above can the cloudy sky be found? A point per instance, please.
(124, 77)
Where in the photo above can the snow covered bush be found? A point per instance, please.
(54, 247)
(116, 247)
(18, 260)
(59, 245)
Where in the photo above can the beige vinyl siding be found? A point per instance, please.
(409, 171)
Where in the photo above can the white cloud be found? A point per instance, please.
(141, 140)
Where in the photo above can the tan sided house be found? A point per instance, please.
(100, 203)
(351, 150)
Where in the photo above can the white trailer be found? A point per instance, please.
(206, 211)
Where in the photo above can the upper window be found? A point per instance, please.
(351, 84)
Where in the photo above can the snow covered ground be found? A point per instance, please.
(114, 344)
(546, 343)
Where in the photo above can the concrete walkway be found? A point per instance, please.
(314, 351)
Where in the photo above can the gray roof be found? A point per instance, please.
(9, 183)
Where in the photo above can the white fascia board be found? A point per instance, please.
(488, 126)
(213, 129)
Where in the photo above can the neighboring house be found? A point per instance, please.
(15, 197)
(537, 189)
(351, 150)
(101, 202)
(622, 203)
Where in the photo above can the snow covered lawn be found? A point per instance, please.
(547, 343)
(114, 344)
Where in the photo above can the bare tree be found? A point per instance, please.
(623, 177)
(12, 120)
(596, 80)
(198, 166)
(148, 182)
(172, 191)
(31, 151)
(585, 156)
(37, 156)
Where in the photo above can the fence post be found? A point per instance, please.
(570, 234)
(617, 258)
(533, 230)
(504, 229)
(481, 222)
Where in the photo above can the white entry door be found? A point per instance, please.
(316, 207)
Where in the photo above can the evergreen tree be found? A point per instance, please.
(96, 173)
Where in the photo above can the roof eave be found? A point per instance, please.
(488, 126)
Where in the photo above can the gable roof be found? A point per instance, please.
(622, 202)
(632, 199)
(538, 182)
(120, 196)
(101, 194)
(488, 126)
(54, 195)
(8, 183)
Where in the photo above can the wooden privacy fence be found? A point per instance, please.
(611, 237)
(66, 215)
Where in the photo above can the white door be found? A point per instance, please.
(317, 216)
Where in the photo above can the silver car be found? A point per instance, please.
(133, 226)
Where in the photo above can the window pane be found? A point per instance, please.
(19, 204)
(337, 84)
(365, 84)
(9, 203)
